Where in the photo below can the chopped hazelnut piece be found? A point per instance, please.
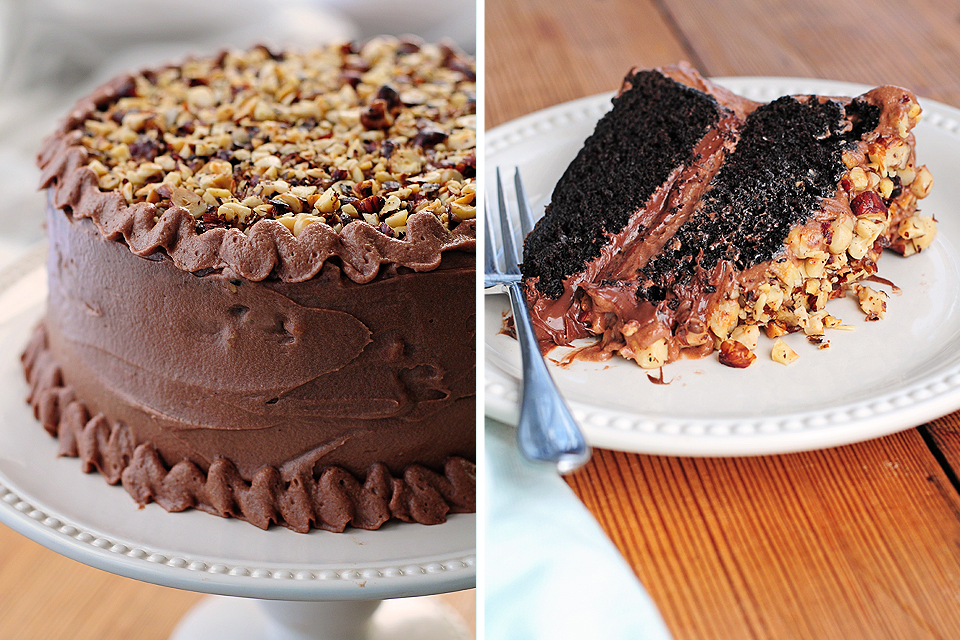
(775, 329)
(919, 232)
(872, 303)
(746, 334)
(782, 353)
(653, 356)
(736, 354)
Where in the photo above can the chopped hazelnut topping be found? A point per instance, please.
(371, 133)
(653, 356)
(735, 354)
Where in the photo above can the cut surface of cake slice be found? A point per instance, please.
(795, 208)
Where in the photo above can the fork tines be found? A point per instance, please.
(511, 245)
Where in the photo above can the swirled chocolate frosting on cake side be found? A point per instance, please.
(262, 276)
(693, 219)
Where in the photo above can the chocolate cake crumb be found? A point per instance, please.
(863, 116)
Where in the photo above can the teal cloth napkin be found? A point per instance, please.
(549, 569)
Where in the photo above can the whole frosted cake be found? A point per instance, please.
(261, 278)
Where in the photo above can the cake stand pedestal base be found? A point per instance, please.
(421, 618)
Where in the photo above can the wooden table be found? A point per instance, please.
(860, 541)
(46, 596)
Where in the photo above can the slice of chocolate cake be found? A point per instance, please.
(635, 179)
(688, 224)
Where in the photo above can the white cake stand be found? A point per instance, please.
(291, 586)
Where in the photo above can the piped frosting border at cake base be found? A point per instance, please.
(334, 501)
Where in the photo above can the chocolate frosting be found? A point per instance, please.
(318, 403)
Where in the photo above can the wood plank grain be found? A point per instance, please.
(943, 438)
(539, 53)
(45, 595)
(826, 544)
(916, 44)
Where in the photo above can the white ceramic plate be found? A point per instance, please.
(880, 378)
(51, 501)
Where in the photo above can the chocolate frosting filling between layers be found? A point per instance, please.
(267, 400)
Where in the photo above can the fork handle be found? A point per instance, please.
(546, 430)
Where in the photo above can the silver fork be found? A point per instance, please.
(546, 430)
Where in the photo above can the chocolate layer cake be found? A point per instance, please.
(261, 278)
(692, 218)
